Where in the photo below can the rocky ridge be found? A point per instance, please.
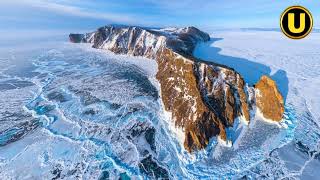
(204, 98)
(268, 99)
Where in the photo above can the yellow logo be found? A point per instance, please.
(296, 22)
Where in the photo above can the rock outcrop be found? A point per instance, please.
(77, 38)
(268, 99)
(204, 98)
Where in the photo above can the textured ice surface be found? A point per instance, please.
(70, 111)
(295, 67)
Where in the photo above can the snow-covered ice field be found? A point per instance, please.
(294, 64)
(69, 111)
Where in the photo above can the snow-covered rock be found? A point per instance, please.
(204, 98)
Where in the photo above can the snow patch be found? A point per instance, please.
(225, 143)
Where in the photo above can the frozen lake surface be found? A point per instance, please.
(294, 65)
(70, 111)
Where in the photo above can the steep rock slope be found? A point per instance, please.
(269, 99)
(204, 98)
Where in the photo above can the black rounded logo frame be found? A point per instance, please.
(285, 29)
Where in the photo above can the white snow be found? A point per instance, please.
(250, 53)
(225, 143)
(293, 64)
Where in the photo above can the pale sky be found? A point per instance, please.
(90, 14)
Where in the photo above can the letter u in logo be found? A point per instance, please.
(302, 25)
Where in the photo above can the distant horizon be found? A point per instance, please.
(203, 14)
(85, 30)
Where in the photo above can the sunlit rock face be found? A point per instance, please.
(268, 99)
(203, 98)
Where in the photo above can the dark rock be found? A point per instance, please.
(77, 38)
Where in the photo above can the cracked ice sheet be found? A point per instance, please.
(61, 137)
(294, 65)
(180, 164)
(49, 150)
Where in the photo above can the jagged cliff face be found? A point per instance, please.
(138, 41)
(181, 96)
(130, 40)
(204, 98)
(269, 99)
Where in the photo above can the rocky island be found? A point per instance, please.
(203, 98)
